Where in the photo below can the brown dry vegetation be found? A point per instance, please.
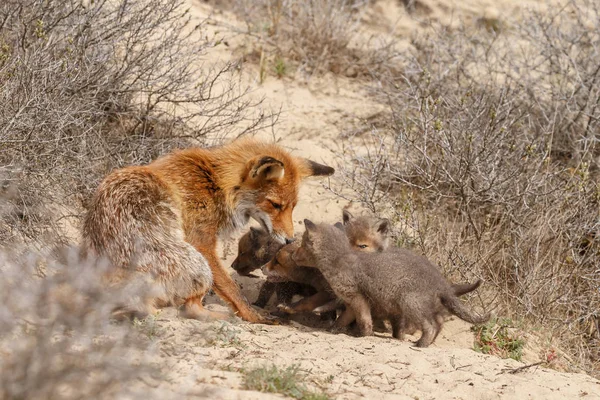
(488, 158)
(86, 87)
(55, 339)
(313, 37)
(90, 87)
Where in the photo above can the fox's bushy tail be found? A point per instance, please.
(454, 305)
(464, 288)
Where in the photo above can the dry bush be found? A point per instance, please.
(317, 36)
(90, 86)
(489, 159)
(56, 338)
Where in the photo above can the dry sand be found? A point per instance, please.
(313, 116)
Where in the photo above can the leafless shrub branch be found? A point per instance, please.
(490, 163)
(90, 86)
(317, 36)
(56, 338)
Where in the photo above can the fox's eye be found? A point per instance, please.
(363, 246)
(276, 206)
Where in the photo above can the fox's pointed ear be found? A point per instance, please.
(316, 169)
(347, 216)
(310, 226)
(266, 169)
(383, 226)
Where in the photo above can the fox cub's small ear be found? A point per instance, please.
(266, 169)
(255, 232)
(309, 225)
(316, 169)
(339, 226)
(347, 216)
(383, 226)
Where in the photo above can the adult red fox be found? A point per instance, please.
(161, 221)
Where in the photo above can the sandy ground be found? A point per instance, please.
(204, 359)
(348, 367)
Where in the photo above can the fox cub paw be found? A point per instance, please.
(286, 309)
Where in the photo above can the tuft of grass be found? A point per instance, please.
(280, 67)
(496, 337)
(148, 326)
(287, 381)
(490, 24)
(225, 336)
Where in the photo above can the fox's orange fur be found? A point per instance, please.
(163, 220)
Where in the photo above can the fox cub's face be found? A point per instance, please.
(274, 184)
(282, 267)
(366, 234)
(362, 236)
(255, 249)
(319, 240)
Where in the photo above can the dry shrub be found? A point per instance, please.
(317, 36)
(87, 86)
(489, 159)
(56, 338)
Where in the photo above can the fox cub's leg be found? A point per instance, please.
(345, 319)
(398, 327)
(307, 304)
(362, 311)
(266, 292)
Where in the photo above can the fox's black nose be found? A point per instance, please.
(288, 240)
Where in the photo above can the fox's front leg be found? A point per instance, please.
(226, 288)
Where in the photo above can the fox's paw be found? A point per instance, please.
(259, 303)
(281, 314)
(286, 309)
(269, 319)
(336, 330)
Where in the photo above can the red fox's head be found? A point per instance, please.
(274, 182)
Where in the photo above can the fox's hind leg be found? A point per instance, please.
(193, 308)
(192, 284)
(183, 275)
(439, 322)
(430, 328)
